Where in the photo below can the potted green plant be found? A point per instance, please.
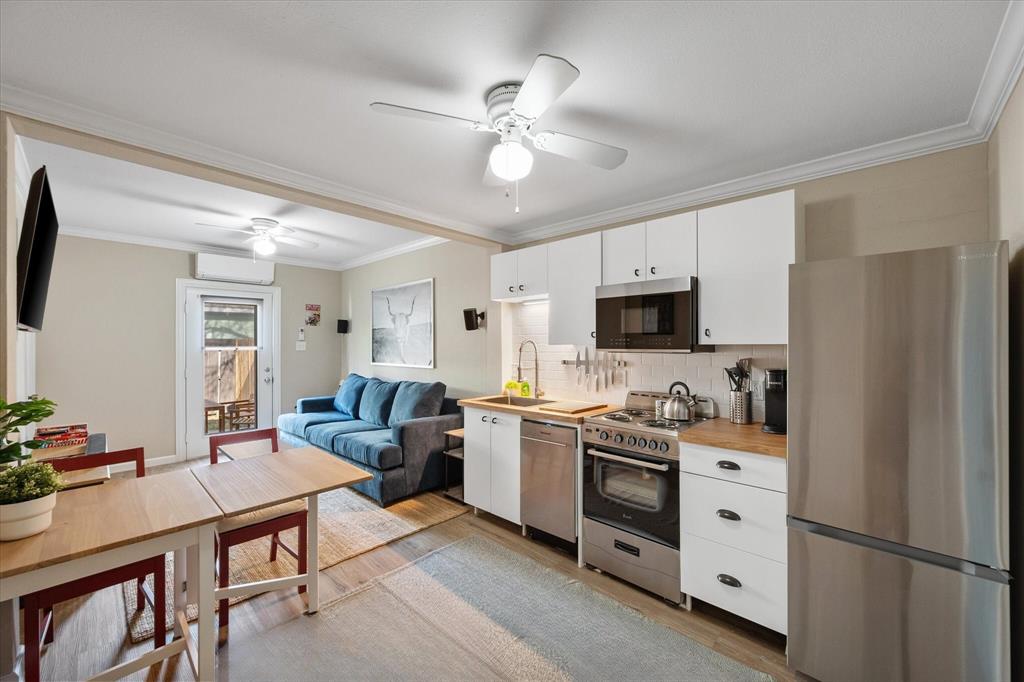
(28, 491)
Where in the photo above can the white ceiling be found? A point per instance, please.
(97, 196)
(702, 94)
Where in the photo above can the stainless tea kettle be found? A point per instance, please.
(680, 407)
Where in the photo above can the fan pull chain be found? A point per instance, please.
(517, 196)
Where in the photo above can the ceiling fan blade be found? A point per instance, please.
(490, 179)
(549, 77)
(295, 241)
(281, 230)
(580, 149)
(243, 230)
(254, 238)
(409, 112)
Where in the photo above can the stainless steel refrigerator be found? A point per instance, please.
(899, 466)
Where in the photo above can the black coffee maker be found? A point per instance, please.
(774, 401)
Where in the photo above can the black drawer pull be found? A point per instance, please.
(726, 464)
(727, 579)
(728, 514)
(628, 549)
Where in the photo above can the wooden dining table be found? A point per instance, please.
(127, 520)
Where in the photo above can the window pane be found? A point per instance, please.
(229, 325)
(229, 366)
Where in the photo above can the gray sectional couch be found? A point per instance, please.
(393, 430)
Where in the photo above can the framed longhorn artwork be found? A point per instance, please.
(403, 325)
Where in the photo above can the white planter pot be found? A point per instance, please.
(22, 519)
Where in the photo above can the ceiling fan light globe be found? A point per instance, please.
(264, 246)
(510, 161)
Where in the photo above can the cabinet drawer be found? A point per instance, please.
(760, 591)
(740, 516)
(762, 471)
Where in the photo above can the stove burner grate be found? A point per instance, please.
(633, 412)
(659, 423)
(617, 417)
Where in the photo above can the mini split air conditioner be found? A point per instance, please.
(231, 269)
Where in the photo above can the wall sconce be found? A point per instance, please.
(473, 319)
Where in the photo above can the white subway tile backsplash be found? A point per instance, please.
(702, 372)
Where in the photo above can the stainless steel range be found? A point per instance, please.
(631, 494)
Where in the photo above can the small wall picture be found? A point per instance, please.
(403, 325)
(312, 314)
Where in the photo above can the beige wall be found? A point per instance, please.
(106, 352)
(468, 362)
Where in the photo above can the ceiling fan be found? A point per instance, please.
(512, 109)
(264, 235)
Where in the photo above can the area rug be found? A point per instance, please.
(474, 610)
(350, 524)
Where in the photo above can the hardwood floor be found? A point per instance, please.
(91, 633)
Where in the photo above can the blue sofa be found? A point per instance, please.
(392, 430)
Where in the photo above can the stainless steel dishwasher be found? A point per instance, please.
(548, 478)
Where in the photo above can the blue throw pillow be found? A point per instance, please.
(349, 393)
(416, 399)
(375, 405)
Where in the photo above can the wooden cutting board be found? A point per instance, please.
(571, 407)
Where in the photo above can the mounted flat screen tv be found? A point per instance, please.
(35, 253)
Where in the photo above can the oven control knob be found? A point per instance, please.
(604, 435)
(642, 442)
(664, 447)
(631, 441)
(653, 445)
(618, 437)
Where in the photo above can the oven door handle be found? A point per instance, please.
(627, 460)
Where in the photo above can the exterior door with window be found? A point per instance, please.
(229, 373)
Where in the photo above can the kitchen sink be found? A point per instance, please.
(517, 401)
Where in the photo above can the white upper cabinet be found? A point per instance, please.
(519, 274)
(574, 272)
(503, 276)
(532, 270)
(623, 256)
(745, 249)
(672, 246)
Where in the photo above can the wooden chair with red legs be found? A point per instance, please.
(271, 521)
(40, 631)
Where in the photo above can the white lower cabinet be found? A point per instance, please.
(733, 522)
(491, 464)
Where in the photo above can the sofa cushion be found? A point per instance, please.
(322, 435)
(372, 448)
(375, 405)
(416, 399)
(349, 394)
(297, 423)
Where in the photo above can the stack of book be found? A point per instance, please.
(61, 441)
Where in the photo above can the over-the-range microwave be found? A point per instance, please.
(655, 316)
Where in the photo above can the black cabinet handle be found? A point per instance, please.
(522, 288)
(483, 419)
(593, 335)
(726, 464)
(511, 290)
(628, 549)
(707, 332)
(728, 514)
(636, 272)
(652, 269)
(727, 579)
(494, 420)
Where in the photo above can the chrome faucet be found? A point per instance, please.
(536, 367)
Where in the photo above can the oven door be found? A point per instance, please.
(659, 315)
(632, 492)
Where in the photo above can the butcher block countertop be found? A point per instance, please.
(721, 433)
(534, 411)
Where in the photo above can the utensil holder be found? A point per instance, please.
(739, 407)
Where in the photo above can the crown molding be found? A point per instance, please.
(192, 247)
(29, 104)
(384, 254)
(1005, 63)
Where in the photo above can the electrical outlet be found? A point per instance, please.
(758, 384)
